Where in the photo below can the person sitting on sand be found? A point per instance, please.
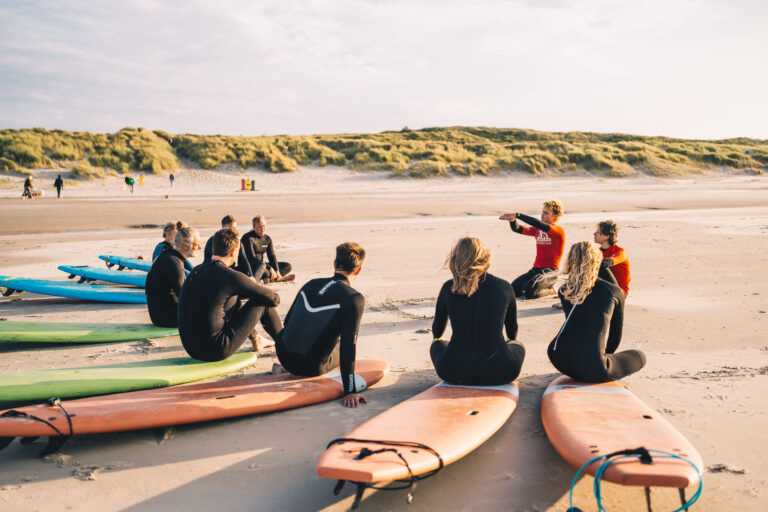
(256, 244)
(241, 262)
(213, 320)
(321, 326)
(585, 347)
(169, 234)
(550, 239)
(480, 306)
(614, 257)
(166, 277)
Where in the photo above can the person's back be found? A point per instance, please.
(164, 281)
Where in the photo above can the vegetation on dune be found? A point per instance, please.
(417, 153)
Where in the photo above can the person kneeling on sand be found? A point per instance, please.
(550, 239)
(615, 258)
(166, 277)
(585, 347)
(479, 305)
(213, 320)
(321, 326)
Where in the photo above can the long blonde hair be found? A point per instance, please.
(468, 261)
(580, 271)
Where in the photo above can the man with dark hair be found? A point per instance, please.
(321, 327)
(166, 277)
(58, 184)
(241, 262)
(213, 321)
(550, 239)
(614, 257)
(256, 244)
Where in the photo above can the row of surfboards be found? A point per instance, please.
(420, 435)
(135, 277)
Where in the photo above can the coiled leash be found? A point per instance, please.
(54, 442)
(644, 456)
(409, 483)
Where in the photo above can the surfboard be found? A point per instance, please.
(124, 262)
(451, 420)
(177, 405)
(114, 378)
(583, 421)
(73, 290)
(87, 273)
(69, 332)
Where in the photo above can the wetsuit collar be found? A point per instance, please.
(174, 252)
(340, 277)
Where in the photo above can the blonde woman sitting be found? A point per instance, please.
(479, 306)
(585, 347)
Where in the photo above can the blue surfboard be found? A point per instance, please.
(87, 273)
(123, 262)
(72, 290)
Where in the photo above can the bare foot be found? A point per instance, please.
(277, 369)
(557, 305)
(289, 277)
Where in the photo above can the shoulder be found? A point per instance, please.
(446, 288)
(556, 229)
(604, 287)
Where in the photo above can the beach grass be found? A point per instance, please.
(424, 153)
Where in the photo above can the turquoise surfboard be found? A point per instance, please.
(123, 262)
(87, 273)
(73, 290)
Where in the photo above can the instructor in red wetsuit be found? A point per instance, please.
(614, 257)
(550, 239)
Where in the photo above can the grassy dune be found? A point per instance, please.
(417, 153)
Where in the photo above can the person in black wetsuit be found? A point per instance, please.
(550, 239)
(321, 326)
(169, 235)
(585, 347)
(166, 277)
(241, 262)
(213, 321)
(256, 244)
(480, 306)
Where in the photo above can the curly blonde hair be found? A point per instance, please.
(468, 261)
(580, 271)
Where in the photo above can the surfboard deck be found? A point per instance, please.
(452, 420)
(74, 290)
(103, 274)
(583, 421)
(189, 403)
(70, 332)
(114, 378)
(125, 262)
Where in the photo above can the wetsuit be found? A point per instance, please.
(213, 321)
(615, 258)
(550, 239)
(164, 246)
(585, 347)
(321, 330)
(164, 281)
(241, 265)
(58, 185)
(477, 353)
(256, 247)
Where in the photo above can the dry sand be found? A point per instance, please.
(697, 307)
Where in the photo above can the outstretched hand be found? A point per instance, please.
(508, 216)
(353, 400)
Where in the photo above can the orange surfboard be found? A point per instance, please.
(451, 420)
(583, 421)
(180, 404)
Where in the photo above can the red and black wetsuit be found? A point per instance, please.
(615, 258)
(550, 240)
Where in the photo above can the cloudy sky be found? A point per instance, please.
(682, 68)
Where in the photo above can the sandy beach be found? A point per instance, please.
(698, 308)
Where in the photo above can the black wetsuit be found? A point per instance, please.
(256, 247)
(58, 185)
(213, 322)
(242, 264)
(531, 285)
(477, 353)
(165, 246)
(164, 281)
(321, 330)
(585, 347)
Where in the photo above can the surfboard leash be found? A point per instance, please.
(54, 442)
(644, 456)
(409, 483)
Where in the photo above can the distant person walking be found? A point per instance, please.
(130, 182)
(27, 188)
(171, 177)
(141, 180)
(58, 184)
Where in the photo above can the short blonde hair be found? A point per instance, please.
(556, 207)
(468, 261)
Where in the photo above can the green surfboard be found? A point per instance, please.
(115, 378)
(65, 332)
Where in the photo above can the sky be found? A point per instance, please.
(679, 68)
